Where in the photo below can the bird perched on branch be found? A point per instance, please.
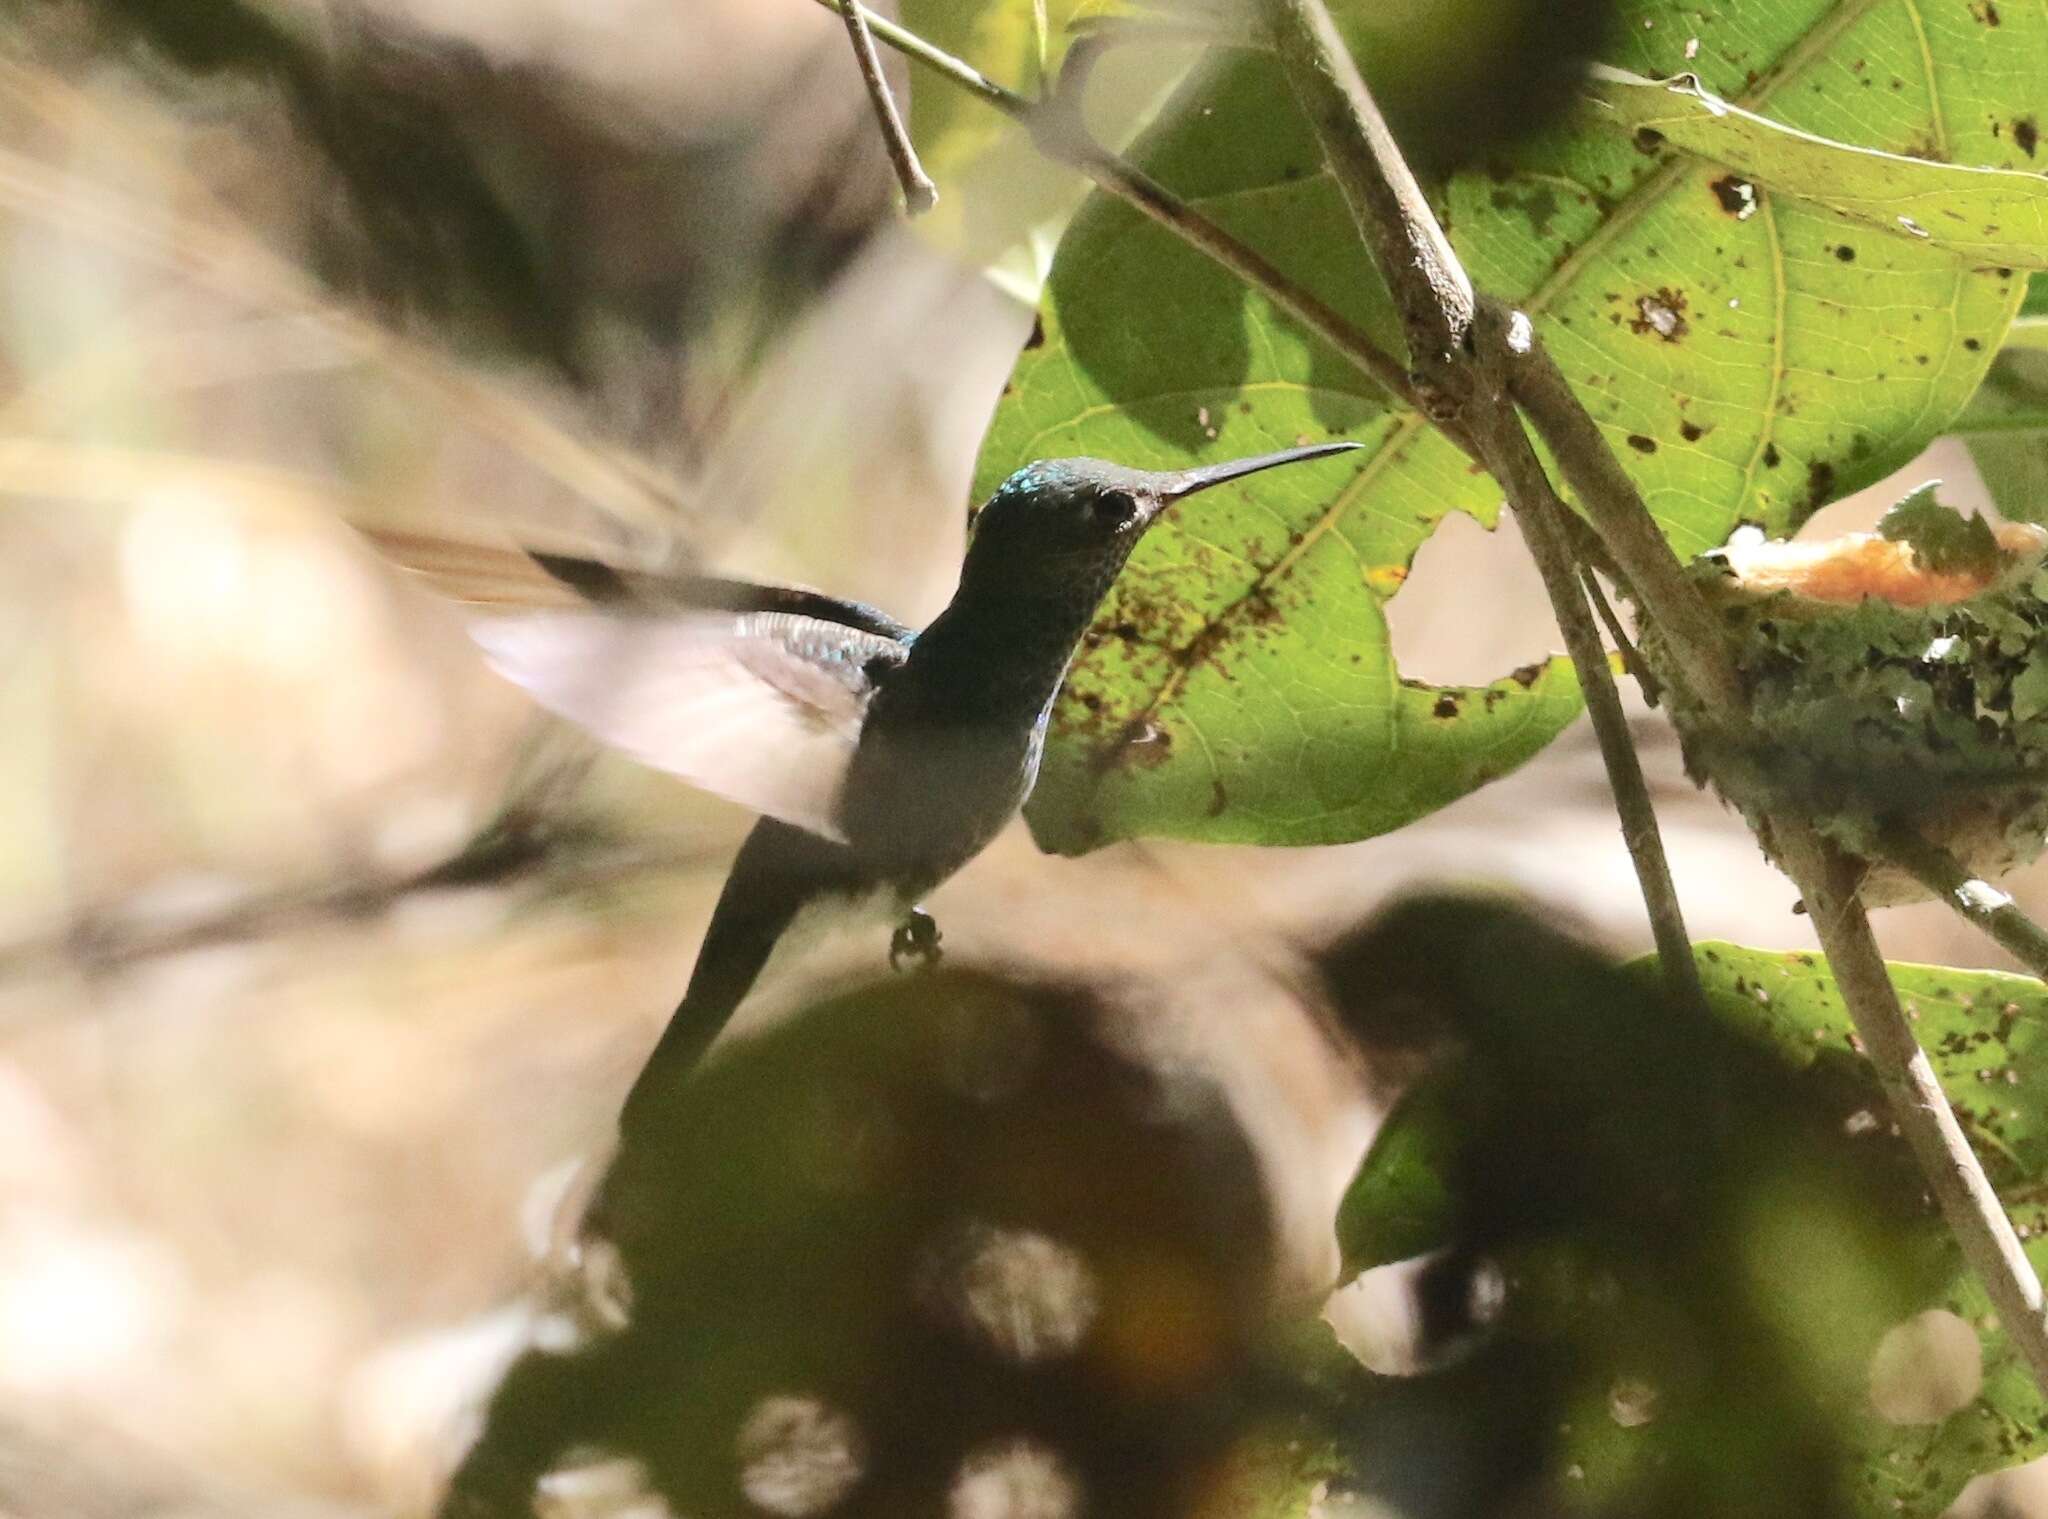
(882, 758)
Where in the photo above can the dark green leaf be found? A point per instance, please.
(1985, 1032)
(1399, 1204)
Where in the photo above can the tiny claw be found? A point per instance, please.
(916, 939)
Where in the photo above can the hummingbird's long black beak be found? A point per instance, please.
(1185, 482)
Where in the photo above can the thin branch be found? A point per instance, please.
(1828, 881)
(1056, 129)
(961, 72)
(1498, 432)
(1983, 904)
(919, 193)
(1631, 656)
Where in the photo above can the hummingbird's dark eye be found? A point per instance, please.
(1114, 508)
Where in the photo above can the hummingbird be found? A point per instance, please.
(881, 758)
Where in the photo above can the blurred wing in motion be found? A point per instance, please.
(477, 565)
(761, 708)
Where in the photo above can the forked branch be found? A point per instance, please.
(1055, 126)
(1462, 349)
(1479, 377)
(919, 193)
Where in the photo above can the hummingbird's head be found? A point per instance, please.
(1090, 509)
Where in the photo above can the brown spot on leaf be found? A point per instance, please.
(1526, 676)
(1539, 204)
(1771, 456)
(1144, 744)
(2026, 132)
(1446, 706)
(1845, 253)
(1641, 444)
(1649, 140)
(1692, 432)
(1037, 338)
(1737, 196)
(1661, 314)
(1973, 344)
(1820, 483)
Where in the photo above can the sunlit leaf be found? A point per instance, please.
(1748, 356)
(1993, 216)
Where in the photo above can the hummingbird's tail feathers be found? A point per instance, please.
(762, 708)
(778, 872)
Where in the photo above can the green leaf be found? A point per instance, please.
(1944, 540)
(1749, 357)
(1918, 1469)
(1986, 1034)
(1993, 216)
(1399, 1203)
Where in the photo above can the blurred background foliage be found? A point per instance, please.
(295, 1113)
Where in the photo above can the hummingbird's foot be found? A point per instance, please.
(916, 939)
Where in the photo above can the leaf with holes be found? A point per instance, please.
(1748, 356)
(1987, 1036)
